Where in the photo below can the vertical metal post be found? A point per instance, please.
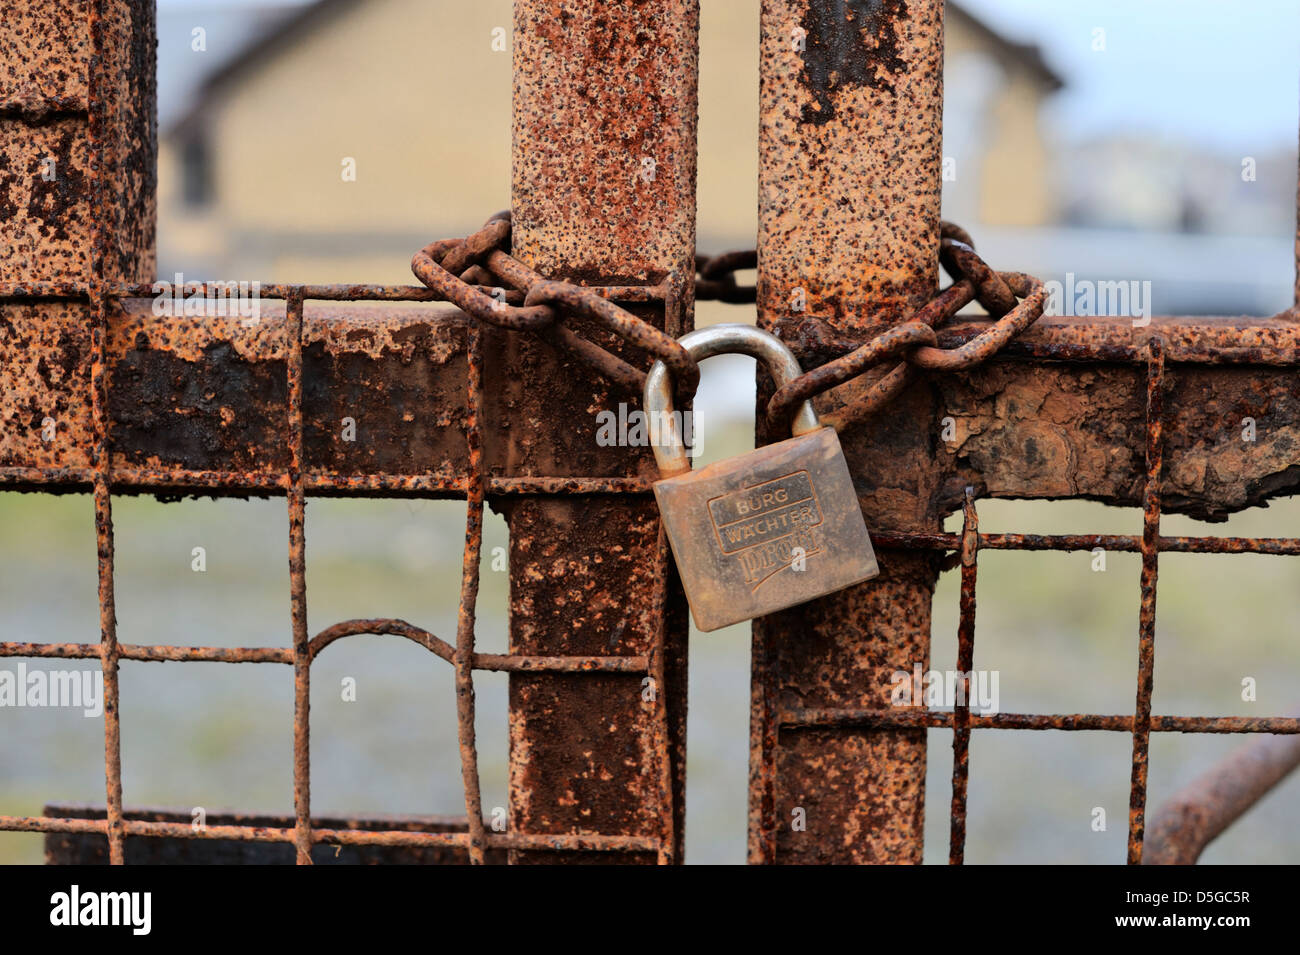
(1147, 613)
(605, 102)
(970, 542)
(99, 149)
(849, 187)
(78, 142)
(296, 495)
(120, 220)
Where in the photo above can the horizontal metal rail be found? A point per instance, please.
(1197, 814)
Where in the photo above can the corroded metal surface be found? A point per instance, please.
(603, 192)
(197, 404)
(1068, 431)
(604, 163)
(849, 157)
(46, 174)
(208, 393)
(82, 848)
(45, 57)
(1151, 497)
(44, 381)
(849, 185)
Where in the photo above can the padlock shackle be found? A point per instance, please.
(732, 339)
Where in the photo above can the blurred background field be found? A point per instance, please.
(1057, 170)
(1061, 635)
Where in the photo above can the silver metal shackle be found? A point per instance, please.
(670, 451)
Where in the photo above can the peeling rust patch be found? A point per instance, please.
(866, 53)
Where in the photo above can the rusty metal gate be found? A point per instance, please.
(850, 102)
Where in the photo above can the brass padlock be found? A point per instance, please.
(770, 529)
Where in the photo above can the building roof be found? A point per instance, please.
(1027, 55)
(288, 29)
(295, 26)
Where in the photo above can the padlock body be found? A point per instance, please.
(767, 530)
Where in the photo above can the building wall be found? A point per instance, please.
(1002, 157)
(367, 83)
(1016, 186)
(413, 91)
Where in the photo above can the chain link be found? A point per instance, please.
(716, 279)
(460, 269)
(1014, 299)
(465, 272)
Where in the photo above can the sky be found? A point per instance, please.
(1219, 74)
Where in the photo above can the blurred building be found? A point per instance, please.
(338, 141)
(412, 99)
(999, 163)
(1140, 182)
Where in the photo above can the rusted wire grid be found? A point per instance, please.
(456, 484)
(461, 485)
(967, 542)
(1142, 723)
(474, 486)
(100, 455)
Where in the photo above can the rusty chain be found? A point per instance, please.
(462, 270)
(466, 271)
(716, 277)
(1014, 299)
